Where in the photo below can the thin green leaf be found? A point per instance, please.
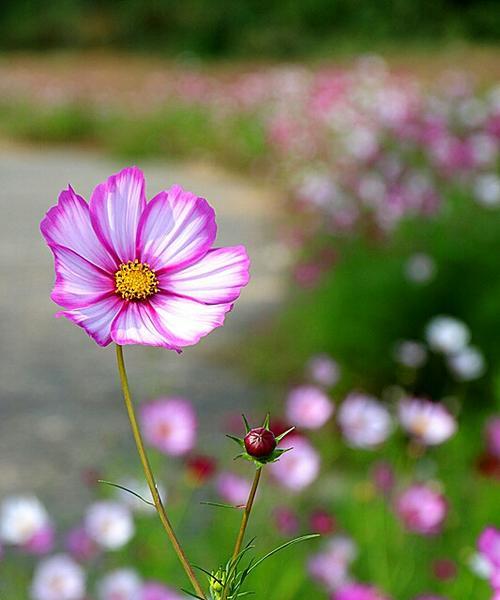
(267, 420)
(191, 594)
(282, 435)
(302, 538)
(238, 440)
(211, 575)
(247, 426)
(221, 505)
(121, 487)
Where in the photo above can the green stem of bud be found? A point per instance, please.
(244, 522)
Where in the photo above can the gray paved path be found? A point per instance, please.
(60, 407)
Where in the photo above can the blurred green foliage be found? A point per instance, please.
(174, 131)
(276, 28)
(366, 303)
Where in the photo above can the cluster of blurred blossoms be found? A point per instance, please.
(449, 338)
(360, 422)
(367, 143)
(61, 573)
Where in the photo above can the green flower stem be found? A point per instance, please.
(150, 477)
(244, 522)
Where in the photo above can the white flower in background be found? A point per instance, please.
(420, 268)
(372, 189)
(446, 334)
(484, 148)
(122, 584)
(364, 421)
(21, 517)
(361, 142)
(330, 566)
(410, 354)
(318, 190)
(472, 112)
(299, 467)
(139, 487)
(309, 407)
(487, 189)
(480, 565)
(58, 578)
(468, 364)
(428, 422)
(109, 524)
(323, 370)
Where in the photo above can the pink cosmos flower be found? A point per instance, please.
(80, 545)
(134, 272)
(428, 422)
(309, 407)
(233, 488)
(152, 590)
(323, 370)
(358, 591)
(330, 566)
(489, 546)
(42, 542)
(286, 520)
(169, 425)
(299, 467)
(421, 509)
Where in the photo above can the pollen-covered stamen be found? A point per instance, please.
(134, 280)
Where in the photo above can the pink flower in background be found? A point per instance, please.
(428, 422)
(493, 436)
(58, 578)
(308, 407)
(233, 489)
(134, 272)
(80, 545)
(421, 509)
(323, 370)
(152, 590)
(299, 467)
(286, 520)
(330, 566)
(169, 425)
(489, 546)
(109, 524)
(364, 421)
(122, 584)
(42, 542)
(322, 522)
(383, 476)
(358, 591)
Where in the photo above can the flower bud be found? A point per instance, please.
(260, 442)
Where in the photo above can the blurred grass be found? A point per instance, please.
(174, 131)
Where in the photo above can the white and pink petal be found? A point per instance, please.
(135, 324)
(115, 210)
(78, 281)
(176, 229)
(184, 321)
(96, 318)
(68, 224)
(215, 278)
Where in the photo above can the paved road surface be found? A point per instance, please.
(60, 407)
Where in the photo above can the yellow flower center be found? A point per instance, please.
(134, 280)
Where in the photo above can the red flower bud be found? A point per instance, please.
(260, 442)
